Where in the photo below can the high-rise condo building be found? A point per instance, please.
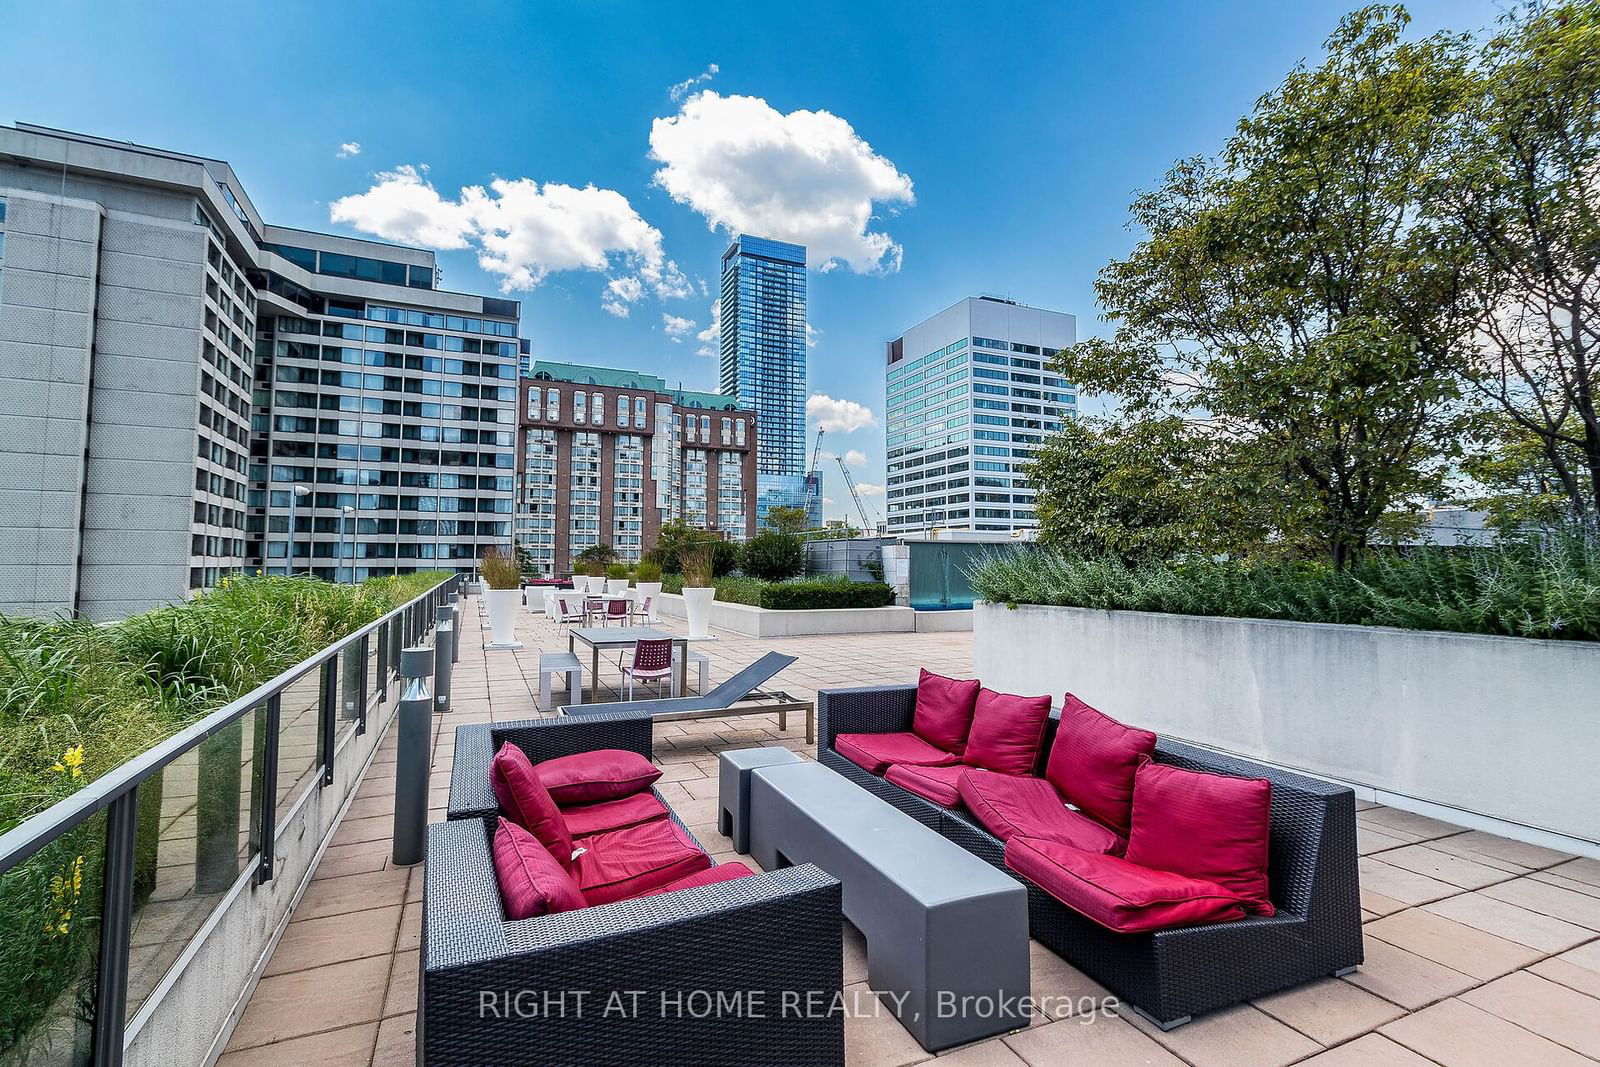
(764, 359)
(608, 455)
(970, 396)
(176, 368)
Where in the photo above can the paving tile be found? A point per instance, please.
(1329, 1011)
(404, 980)
(1460, 1035)
(1492, 846)
(410, 927)
(1241, 1036)
(1588, 889)
(1549, 1009)
(1572, 971)
(397, 1042)
(855, 954)
(1370, 839)
(318, 942)
(309, 1002)
(1061, 990)
(1372, 1050)
(1107, 1040)
(338, 1048)
(872, 1035)
(1408, 887)
(991, 1052)
(1583, 870)
(1483, 912)
(1379, 904)
(360, 858)
(355, 892)
(1456, 945)
(1547, 899)
(1455, 870)
(1406, 978)
(1406, 823)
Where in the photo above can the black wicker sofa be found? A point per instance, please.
(743, 971)
(1173, 974)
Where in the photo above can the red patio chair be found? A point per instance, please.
(652, 662)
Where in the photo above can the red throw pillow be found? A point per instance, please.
(590, 777)
(1007, 731)
(1092, 762)
(944, 710)
(531, 881)
(1208, 826)
(526, 802)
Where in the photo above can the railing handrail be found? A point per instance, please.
(37, 831)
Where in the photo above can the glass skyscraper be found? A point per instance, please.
(764, 359)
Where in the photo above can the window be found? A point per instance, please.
(738, 432)
(622, 411)
(727, 431)
(597, 407)
(579, 401)
(553, 404)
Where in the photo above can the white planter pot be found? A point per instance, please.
(697, 605)
(594, 585)
(503, 608)
(651, 590)
(616, 586)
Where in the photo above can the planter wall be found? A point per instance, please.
(1498, 727)
(764, 622)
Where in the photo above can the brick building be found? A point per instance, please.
(606, 456)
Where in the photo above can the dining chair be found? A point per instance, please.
(652, 662)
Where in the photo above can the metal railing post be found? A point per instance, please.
(364, 689)
(116, 928)
(269, 789)
(329, 715)
(453, 601)
(444, 645)
(411, 762)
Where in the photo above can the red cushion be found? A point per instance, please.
(1119, 895)
(874, 752)
(1208, 826)
(722, 872)
(627, 862)
(944, 710)
(1007, 731)
(1012, 805)
(591, 777)
(531, 881)
(1092, 762)
(584, 819)
(938, 784)
(525, 801)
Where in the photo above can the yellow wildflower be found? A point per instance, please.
(71, 762)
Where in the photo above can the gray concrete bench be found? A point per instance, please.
(703, 662)
(733, 788)
(947, 934)
(560, 663)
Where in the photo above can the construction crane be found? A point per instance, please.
(868, 525)
(814, 474)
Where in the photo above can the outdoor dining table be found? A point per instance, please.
(609, 637)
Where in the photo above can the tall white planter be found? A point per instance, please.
(697, 604)
(594, 585)
(504, 605)
(616, 586)
(652, 590)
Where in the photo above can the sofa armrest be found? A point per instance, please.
(491, 989)
(471, 795)
(876, 709)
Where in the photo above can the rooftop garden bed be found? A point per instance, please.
(800, 594)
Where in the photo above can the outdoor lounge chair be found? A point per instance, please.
(740, 695)
(1168, 975)
(759, 937)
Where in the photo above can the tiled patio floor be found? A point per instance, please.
(1479, 950)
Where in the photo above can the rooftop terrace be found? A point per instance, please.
(1479, 949)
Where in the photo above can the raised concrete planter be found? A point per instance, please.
(1495, 732)
(763, 622)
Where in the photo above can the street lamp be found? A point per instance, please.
(300, 492)
(344, 519)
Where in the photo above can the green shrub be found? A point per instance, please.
(647, 571)
(617, 570)
(773, 556)
(1549, 590)
(821, 593)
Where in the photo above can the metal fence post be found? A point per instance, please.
(444, 643)
(411, 763)
(454, 603)
(116, 928)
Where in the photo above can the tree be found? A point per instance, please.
(1516, 482)
(1520, 192)
(773, 556)
(1286, 306)
(600, 556)
(788, 520)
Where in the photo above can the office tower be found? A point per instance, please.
(175, 366)
(764, 359)
(970, 396)
(608, 455)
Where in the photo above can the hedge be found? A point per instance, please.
(806, 594)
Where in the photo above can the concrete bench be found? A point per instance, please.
(560, 663)
(703, 662)
(733, 788)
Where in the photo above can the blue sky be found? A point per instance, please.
(964, 149)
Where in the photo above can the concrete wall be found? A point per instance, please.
(1493, 727)
(763, 622)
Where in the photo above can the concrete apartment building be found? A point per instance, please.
(608, 455)
(969, 396)
(175, 366)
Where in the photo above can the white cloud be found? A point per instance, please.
(523, 231)
(710, 338)
(812, 333)
(806, 177)
(677, 91)
(855, 457)
(838, 415)
(868, 489)
(676, 326)
(348, 149)
(827, 501)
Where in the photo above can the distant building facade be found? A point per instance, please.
(763, 359)
(970, 396)
(174, 366)
(606, 456)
